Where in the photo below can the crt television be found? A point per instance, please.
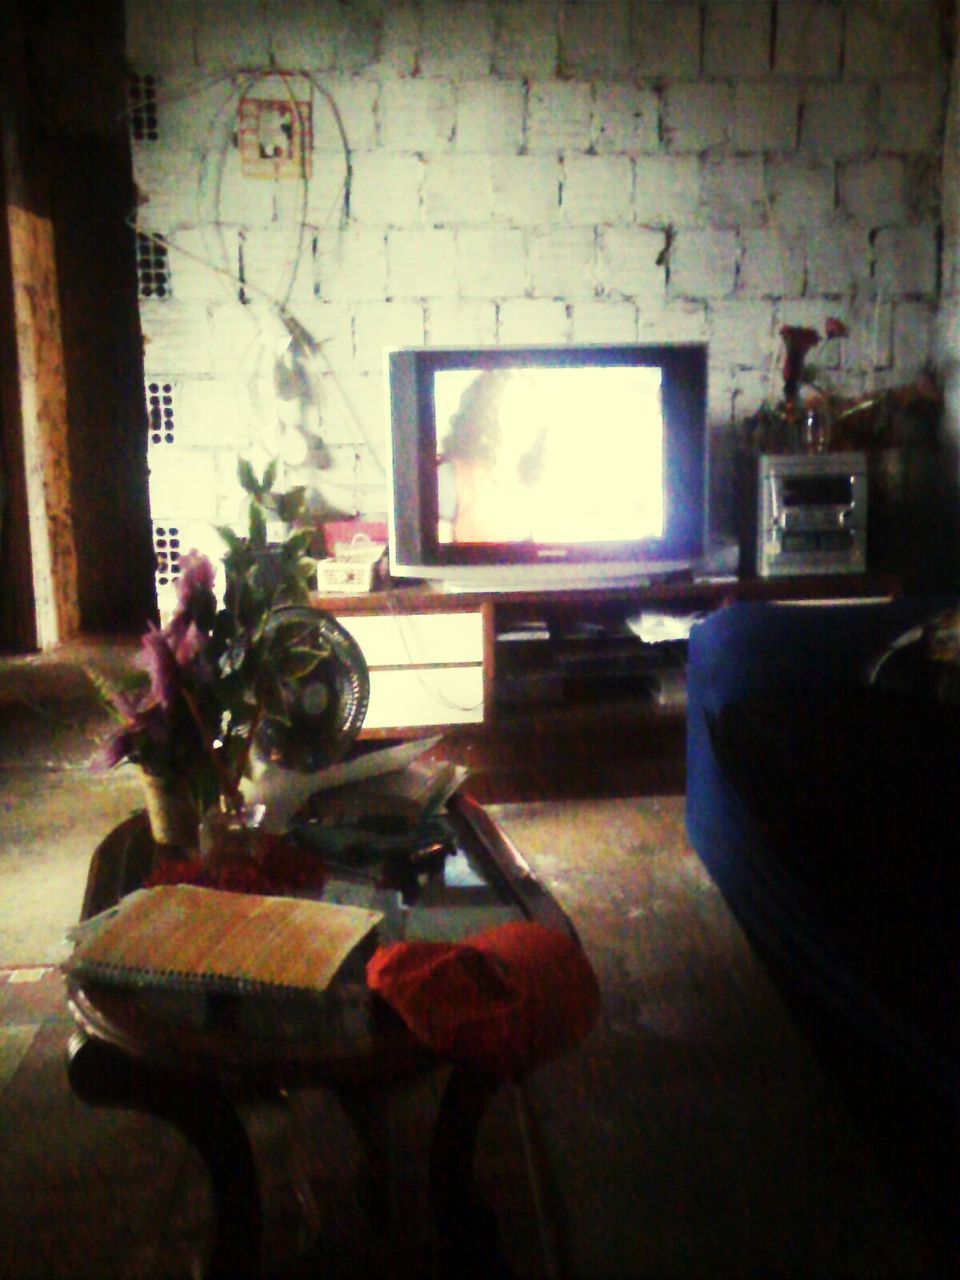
(539, 467)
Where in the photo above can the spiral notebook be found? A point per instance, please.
(193, 938)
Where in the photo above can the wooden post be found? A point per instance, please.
(34, 401)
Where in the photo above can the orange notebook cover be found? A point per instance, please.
(185, 936)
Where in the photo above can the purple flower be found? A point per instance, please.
(142, 725)
(191, 646)
(184, 639)
(196, 580)
(159, 661)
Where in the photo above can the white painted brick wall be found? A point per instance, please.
(667, 190)
(526, 40)
(909, 116)
(626, 119)
(602, 320)
(559, 116)
(597, 189)
(630, 264)
(735, 393)
(351, 265)
(891, 39)
(773, 263)
(869, 348)
(229, 331)
(839, 253)
(327, 194)
(344, 105)
(667, 38)
(594, 40)
(528, 321)
(906, 261)
(703, 264)
(563, 264)
(159, 37)
(839, 119)
(195, 109)
(351, 416)
(492, 263)
(175, 337)
(279, 263)
(742, 334)
(331, 325)
(809, 39)
(457, 40)
(527, 189)
(733, 192)
(386, 189)
(461, 323)
(400, 39)
(417, 115)
(874, 191)
(458, 190)
(214, 414)
(322, 37)
(765, 117)
(802, 191)
(167, 189)
(736, 40)
(383, 325)
(422, 264)
(230, 34)
(696, 116)
(490, 116)
(190, 471)
(673, 320)
(535, 171)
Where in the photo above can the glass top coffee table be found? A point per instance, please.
(190, 1057)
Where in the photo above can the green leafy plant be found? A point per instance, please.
(210, 678)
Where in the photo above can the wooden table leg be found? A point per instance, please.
(466, 1225)
(104, 1076)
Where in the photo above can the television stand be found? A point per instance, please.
(524, 584)
(550, 692)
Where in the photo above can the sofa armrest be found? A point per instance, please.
(750, 649)
(827, 815)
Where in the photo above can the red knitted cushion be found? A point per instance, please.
(503, 1001)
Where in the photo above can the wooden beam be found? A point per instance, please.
(38, 391)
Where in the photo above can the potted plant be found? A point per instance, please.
(213, 678)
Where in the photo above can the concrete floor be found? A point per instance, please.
(53, 810)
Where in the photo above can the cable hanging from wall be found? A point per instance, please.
(222, 242)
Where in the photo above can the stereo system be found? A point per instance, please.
(810, 514)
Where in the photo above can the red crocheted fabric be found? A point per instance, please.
(282, 868)
(503, 1001)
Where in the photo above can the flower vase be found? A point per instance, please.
(171, 810)
(230, 836)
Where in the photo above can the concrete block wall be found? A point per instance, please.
(514, 171)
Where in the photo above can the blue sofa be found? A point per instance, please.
(827, 810)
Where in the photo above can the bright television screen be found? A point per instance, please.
(546, 465)
(550, 455)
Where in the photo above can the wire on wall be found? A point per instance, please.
(222, 242)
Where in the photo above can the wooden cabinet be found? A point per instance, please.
(540, 663)
(426, 666)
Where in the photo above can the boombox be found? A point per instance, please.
(809, 515)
